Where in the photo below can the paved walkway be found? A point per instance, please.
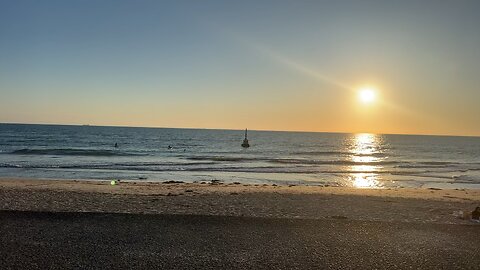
(36, 240)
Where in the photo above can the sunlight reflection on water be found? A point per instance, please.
(365, 148)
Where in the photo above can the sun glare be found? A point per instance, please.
(367, 95)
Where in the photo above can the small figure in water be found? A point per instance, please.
(170, 147)
(116, 145)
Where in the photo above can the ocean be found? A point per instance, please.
(282, 158)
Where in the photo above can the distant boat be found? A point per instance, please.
(245, 143)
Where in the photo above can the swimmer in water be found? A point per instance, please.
(116, 145)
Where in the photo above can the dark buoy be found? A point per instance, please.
(245, 143)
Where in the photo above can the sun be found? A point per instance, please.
(367, 95)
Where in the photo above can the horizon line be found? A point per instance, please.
(261, 130)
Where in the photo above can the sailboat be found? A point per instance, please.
(245, 143)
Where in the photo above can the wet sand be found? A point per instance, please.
(49, 224)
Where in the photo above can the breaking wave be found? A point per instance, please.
(72, 152)
(292, 161)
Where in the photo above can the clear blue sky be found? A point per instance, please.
(284, 65)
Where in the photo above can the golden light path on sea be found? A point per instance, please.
(364, 148)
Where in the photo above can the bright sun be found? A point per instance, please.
(367, 95)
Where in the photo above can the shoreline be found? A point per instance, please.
(216, 199)
(148, 187)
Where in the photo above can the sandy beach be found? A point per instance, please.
(235, 199)
(242, 135)
(171, 225)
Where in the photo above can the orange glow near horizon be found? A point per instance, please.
(345, 68)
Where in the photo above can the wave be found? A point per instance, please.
(437, 163)
(126, 166)
(188, 168)
(424, 174)
(465, 179)
(72, 152)
(224, 167)
(238, 159)
(339, 153)
(322, 153)
(423, 166)
(292, 161)
(331, 162)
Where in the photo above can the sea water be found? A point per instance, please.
(283, 158)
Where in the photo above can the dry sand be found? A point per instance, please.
(206, 198)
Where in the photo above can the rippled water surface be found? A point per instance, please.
(358, 160)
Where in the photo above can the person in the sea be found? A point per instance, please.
(170, 147)
(116, 145)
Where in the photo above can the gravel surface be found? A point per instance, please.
(48, 240)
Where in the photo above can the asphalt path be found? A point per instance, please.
(46, 240)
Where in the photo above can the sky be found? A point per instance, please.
(266, 65)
